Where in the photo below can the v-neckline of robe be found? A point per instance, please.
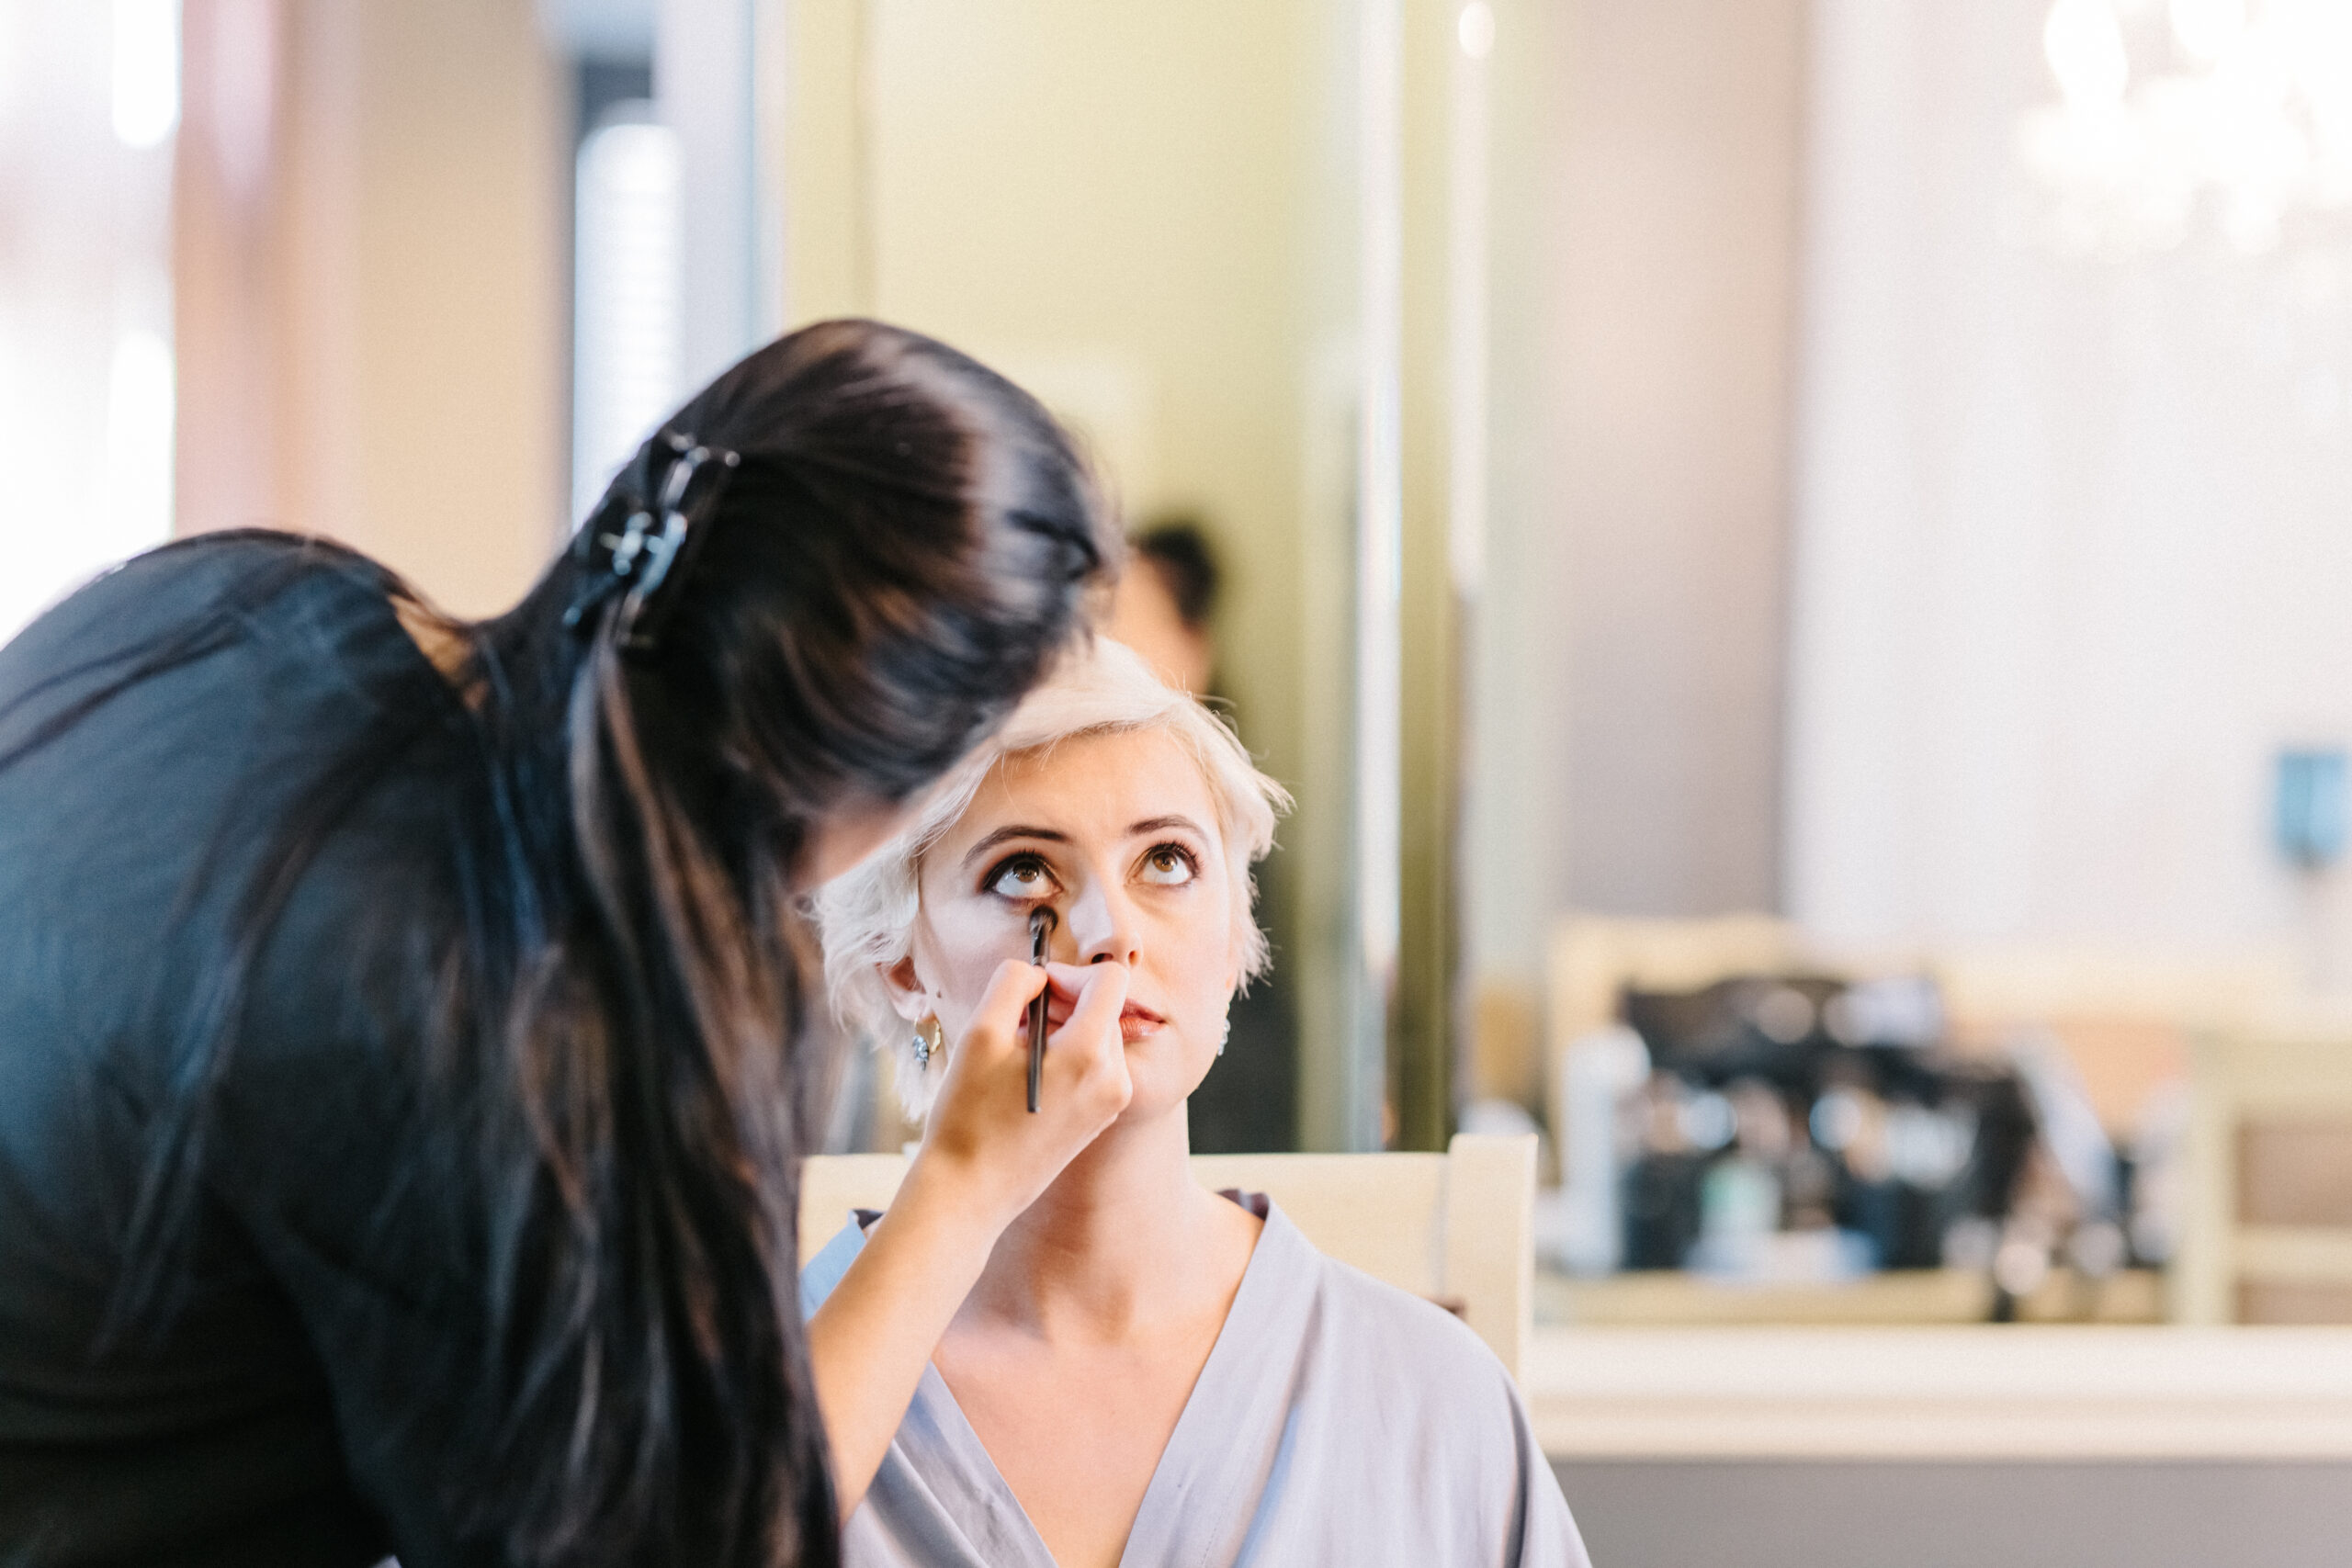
(1167, 1493)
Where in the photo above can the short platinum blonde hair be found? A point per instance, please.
(866, 918)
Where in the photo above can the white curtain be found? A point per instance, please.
(2073, 534)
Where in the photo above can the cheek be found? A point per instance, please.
(956, 951)
(1199, 944)
(1189, 970)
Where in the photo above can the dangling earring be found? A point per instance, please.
(1223, 1035)
(930, 1040)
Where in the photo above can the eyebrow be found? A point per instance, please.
(1016, 831)
(1004, 835)
(1161, 824)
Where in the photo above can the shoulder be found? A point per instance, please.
(182, 605)
(221, 558)
(187, 573)
(153, 727)
(1373, 1315)
(1422, 1363)
(1429, 1405)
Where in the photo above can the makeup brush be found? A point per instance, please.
(1042, 921)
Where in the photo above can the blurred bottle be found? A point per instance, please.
(1599, 1075)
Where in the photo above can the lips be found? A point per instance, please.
(1137, 1021)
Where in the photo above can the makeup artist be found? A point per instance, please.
(400, 1103)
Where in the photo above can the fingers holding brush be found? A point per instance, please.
(1042, 921)
(984, 1158)
(980, 1127)
(1087, 1052)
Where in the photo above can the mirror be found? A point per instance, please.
(1945, 452)
(1778, 498)
(1178, 226)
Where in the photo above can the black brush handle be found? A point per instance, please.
(1041, 928)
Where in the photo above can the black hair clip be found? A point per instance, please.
(654, 544)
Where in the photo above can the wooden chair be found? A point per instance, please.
(1992, 987)
(1455, 1227)
(2126, 1021)
(2267, 1224)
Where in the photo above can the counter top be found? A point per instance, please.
(1921, 1298)
(1942, 1392)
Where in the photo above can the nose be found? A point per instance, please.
(1101, 924)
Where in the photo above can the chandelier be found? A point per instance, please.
(2174, 116)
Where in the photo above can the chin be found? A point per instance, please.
(1162, 1082)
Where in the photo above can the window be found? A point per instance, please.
(626, 350)
(89, 105)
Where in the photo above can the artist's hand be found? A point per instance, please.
(981, 1137)
(984, 1161)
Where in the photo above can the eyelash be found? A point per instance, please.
(1010, 863)
(1191, 861)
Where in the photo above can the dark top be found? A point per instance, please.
(279, 1418)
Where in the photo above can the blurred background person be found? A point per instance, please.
(1165, 606)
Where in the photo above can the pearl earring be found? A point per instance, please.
(930, 1040)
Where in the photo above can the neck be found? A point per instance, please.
(1117, 1241)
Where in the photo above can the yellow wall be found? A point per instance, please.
(1125, 207)
(1102, 201)
(1151, 216)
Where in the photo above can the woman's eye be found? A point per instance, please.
(1024, 877)
(1169, 866)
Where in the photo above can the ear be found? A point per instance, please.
(908, 998)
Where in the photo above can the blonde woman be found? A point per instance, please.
(1065, 1351)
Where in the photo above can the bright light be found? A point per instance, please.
(26, 586)
(139, 413)
(1476, 29)
(2206, 28)
(10, 20)
(2085, 46)
(2250, 132)
(628, 294)
(146, 70)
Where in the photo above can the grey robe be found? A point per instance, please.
(1338, 1420)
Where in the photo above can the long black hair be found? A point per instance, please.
(606, 1007)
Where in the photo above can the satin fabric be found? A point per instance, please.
(1338, 1420)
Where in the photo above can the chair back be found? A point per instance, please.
(2265, 1225)
(1457, 1227)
